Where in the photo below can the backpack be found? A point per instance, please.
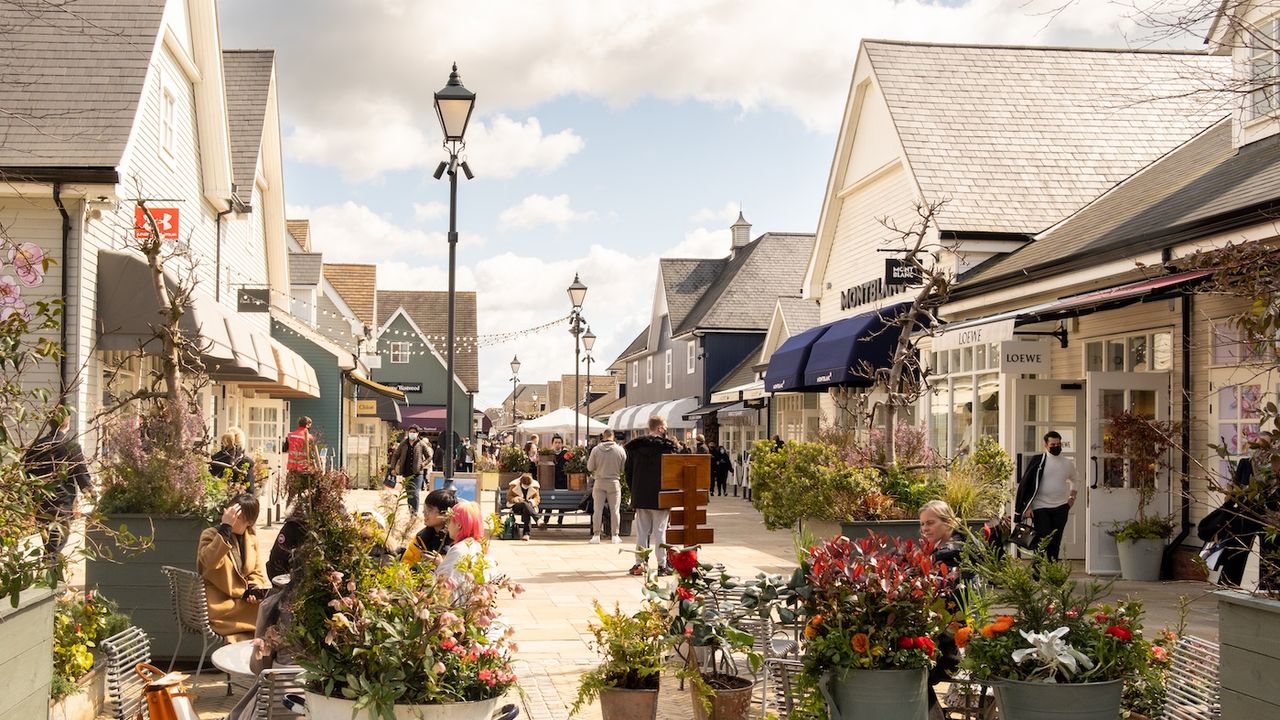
(509, 528)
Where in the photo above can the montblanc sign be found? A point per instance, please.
(867, 292)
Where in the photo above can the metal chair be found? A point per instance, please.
(273, 685)
(779, 688)
(124, 651)
(191, 610)
(1194, 688)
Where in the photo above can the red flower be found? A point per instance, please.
(1119, 633)
(1100, 618)
(684, 593)
(906, 643)
(568, 456)
(684, 561)
(925, 644)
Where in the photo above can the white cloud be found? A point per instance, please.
(503, 148)
(351, 232)
(726, 215)
(537, 210)
(429, 211)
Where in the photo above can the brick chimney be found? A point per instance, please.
(741, 234)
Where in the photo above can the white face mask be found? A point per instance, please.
(413, 436)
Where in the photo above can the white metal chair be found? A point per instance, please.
(1193, 686)
(273, 685)
(191, 611)
(124, 651)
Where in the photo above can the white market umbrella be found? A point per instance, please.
(561, 421)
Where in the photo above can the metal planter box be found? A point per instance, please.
(1249, 643)
(26, 654)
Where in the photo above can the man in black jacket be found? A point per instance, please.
(58, 459)
(721, 466)
(1046, 494)
(644, 476)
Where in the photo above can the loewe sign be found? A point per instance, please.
(1019, 357)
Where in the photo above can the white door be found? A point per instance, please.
(1112, 495)
(1041, 406)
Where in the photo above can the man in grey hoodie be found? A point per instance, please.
(605, 465)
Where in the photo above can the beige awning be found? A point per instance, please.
(291, 375)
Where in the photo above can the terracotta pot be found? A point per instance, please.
(577, 481)
(620, 704)
(732, 703)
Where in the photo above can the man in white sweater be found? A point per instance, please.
(605, 465)
(1046, 493)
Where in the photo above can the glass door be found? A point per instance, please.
(1112, 493)
(1041, 406)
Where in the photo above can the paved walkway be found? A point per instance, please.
(562, 575)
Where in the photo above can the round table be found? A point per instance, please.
(234, 658)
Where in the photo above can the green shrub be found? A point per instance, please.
(980, 483)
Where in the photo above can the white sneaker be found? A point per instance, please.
(595, 540)
(617, 540)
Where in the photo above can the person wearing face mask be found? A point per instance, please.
(412, 461)
(1046, 494)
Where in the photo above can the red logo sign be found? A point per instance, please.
(166, 223)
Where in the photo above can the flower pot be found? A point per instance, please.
(322, 707)
(491, 480)
(26, 653)
(1140, 559)
(620, 704)
(728, 703)
(625, 518)
(577, 481)
(86, 704)
(1021, 700)
(876, 694)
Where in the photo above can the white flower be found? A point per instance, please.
(1052, 654)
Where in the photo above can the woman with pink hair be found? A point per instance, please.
(466, 528)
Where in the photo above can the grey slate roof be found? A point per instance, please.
(305, 268)
(744, 294)
(1018, 138)
(637, 345)
(799, 313)
(429, 310)
(1186, 194)
(247, 77)
(684, 282)
(742, 374)
(71, 76)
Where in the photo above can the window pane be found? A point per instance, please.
(966, 360)
(941, 364)
(1093, 357)
(1226, 345)
(1250, 400)
(993, 356)
(989, 405)
(939, 414)
(980, 357)
(1115, 355)
(962, 412)
(1228, 407)
(1138, 353)
(1162, 351)
(1143, 403)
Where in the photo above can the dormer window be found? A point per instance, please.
(1264, 68)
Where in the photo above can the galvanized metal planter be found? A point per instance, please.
(26, 654)
(876, 694)
(1021, 700)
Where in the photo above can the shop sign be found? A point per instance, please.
(407, 386)
(1019, 357)
(249, 300)
(166, 223)
(367, 408)
(901, 274)
(985, 334)
(868, 292)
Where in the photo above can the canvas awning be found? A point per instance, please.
(562, 420)
(746, 391)
(787, 364)
(359, 379)
(850, 349)
(293, 376)
(705, 410)
(636, 417)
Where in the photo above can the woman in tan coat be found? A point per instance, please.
(234, 581)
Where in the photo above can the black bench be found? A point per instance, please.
(555, 501)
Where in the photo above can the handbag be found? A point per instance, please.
(509, 528)
(1024, 536)
(1212, 552)
(165, 694)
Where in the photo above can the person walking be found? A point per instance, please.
(605, 463)
(412, 462)
(304, 456)
(721, 466)
(59, 461)
(1246, 510)
(1046, 494)
(643, 467)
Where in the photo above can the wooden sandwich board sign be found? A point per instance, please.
(686, 486)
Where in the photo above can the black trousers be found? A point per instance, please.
(1050, 523)
(521, 510)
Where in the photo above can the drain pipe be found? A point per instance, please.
(1166, 569)
(217, 260)
(66, 247)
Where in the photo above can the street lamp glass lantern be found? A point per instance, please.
(588, 340)
(515, 365)
(577, 292)
(453, 107)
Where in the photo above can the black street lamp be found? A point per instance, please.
(588, 342)
(454, 104)
(515, 380)
(577, 293)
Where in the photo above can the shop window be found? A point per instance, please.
(965, 402)
(400, 352)
(265, 429)
(1139, 352)
(1264, 69)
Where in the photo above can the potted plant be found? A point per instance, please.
(633, 651)
(391, 640)
(706, 639)
(978, 484)
(575, 466)
(1144, 445)
(487, 469)
(511, 463)
(78, 687)
(1048, 643)
(872, 608)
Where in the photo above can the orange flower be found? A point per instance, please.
(860, 642)
(1004, 622)
(989, 630)
(809, 632)
(962, 636)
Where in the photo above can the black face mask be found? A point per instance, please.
(1055, 450)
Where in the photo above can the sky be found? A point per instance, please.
(606, 134)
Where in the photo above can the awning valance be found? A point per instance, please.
(705, 410)
(377, 387)
(746, 391)
(636, 417)
(427, 417)
(786, 365)
(850, 349)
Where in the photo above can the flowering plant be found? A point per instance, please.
(144, 472)
(872, 603)
(78, 625)
(575, 460)
(1049, 628)
(632, 649)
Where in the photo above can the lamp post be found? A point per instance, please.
(454, 104)
(588, 342)
(515, 384)
(577, 293)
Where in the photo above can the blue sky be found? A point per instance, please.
(607, 134)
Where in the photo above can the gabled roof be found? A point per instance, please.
(429, 310)
(743, 295)
(798, 313)
(742, 374)
(72, 75)
(1202, 188)
(1017, 138)
(637, 346)
(301, 232)
(305, 268)
(684, 281)
(357, 285)
(247, 78)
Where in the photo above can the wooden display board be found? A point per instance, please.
(686, 485)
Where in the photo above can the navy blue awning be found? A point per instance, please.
(786, 365)
(848, 348)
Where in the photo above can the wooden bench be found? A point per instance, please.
(555, 501)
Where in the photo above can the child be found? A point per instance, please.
(432, 540)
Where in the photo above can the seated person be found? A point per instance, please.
(433, 539)
(466, 529)
(940, 527)
(292, 533)
(234, 582)
(523, 498)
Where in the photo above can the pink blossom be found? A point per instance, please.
(437, 669)
(28, 261)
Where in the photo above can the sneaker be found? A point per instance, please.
(617, 540)
(664, 571)
(595, 540)
(637, 569)
(525, 537)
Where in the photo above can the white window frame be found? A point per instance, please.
(400, 352)
(648, 370)
(1262, 67)
(1127, 340)
(168, 120)
(691, 361)
(668, 368)
(635, 373)
(956, 380)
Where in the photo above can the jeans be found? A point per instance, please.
(522, 510)
(1050, 523)
(606, 490)
(413, 488)
(651, 531)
